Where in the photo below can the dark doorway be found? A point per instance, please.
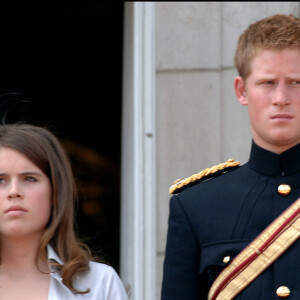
(61, 67)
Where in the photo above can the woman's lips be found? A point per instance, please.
(15, 210)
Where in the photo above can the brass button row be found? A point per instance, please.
(283, 291)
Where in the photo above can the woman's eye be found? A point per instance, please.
(2, 180)
(30, 179)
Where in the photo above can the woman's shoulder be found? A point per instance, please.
(98, 272)
(102, 277)
(101, 268)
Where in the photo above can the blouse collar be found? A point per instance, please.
(52, 255)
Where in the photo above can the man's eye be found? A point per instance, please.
(269, 82)
(2, 180)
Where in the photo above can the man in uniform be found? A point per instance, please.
(218, 212)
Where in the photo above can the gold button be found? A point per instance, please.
(284, 189)
(226, 259)
(283, 292)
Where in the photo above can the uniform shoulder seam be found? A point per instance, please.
(180, 184)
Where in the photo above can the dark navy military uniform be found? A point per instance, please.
(217, 218)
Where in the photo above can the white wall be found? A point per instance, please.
(199, 122)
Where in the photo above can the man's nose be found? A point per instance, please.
(281, 96)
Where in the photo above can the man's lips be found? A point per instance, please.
(282, 116)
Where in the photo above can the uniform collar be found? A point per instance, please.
(272, 164)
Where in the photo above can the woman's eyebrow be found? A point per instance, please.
(31, 173)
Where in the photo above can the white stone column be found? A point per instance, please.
(138, 203)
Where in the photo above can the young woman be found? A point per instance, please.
(40, 257)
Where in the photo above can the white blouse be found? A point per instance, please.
(102, 280)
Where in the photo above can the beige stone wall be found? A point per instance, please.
(199, 121)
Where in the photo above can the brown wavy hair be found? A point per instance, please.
(41, 147)
(276, 32)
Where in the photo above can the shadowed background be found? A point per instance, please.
(61, 67)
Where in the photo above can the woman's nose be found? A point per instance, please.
(14, 192)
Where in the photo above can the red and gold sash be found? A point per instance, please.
(258, 255)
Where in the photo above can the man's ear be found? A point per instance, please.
(240, 90)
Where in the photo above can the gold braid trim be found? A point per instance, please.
(269, 245)
(180, 183)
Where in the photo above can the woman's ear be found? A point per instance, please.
(240, 90)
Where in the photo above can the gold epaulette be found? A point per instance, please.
(179, 184)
